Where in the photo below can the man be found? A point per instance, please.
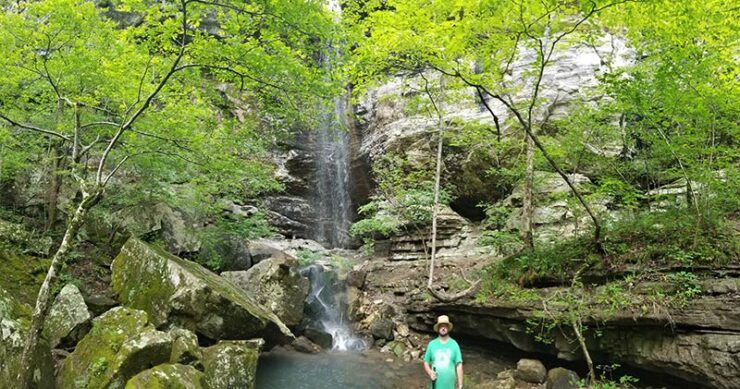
(443, 359)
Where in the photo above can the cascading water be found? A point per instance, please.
(326, 302)
(331, 149)
(327, 307)
(332, 202)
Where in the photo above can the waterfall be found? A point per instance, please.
(327, 306)
(332, 202)
(331, 149)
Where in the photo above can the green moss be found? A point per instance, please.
(102, 359)
(22, 275)
(168, 376)
(231, 364)
(148, 278)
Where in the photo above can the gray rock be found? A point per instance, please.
(232, 364)
(277, 285)
(183, 293)
(263, 249)
(171, 376)
(561, 378)
(14, 322)
(69, 319)
(120, 344)
(99, 303)
(319, 336)
(304, 345)
(185, 348)
(382, 329)
(530, 370)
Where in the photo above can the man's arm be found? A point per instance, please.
(431, 373)
(459, 369)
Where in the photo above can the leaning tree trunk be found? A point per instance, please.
(44, 300)
(527, 197)
(435, 204)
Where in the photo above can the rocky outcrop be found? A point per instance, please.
(183, 293)
(168, 376)
(69, 319)
(277, 285)
(120, 344)
(14, 322)
(455, 236)
(556, 212)
(21, 238)
(232, 364)
(698, 343)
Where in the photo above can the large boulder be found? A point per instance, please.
(561, 378)
(232, 364)
(168, 376)
(69, 319)
(530, 370)
(14, 322)
(120, 344)
(277, 285)
(183, 293)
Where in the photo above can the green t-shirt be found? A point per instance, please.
(443, 357)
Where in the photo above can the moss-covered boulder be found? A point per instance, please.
(69, 320)
(120, 344)
(14, 322)
(22, 275)
(168, 376)
(232, 364)
(183, 293)
(185, 348)
(277, 285)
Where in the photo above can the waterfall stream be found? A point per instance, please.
(327, 307)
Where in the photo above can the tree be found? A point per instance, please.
(132, 85)
(478, 44)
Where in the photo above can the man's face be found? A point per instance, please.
(443, 329)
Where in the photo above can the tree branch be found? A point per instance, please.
(33, 128)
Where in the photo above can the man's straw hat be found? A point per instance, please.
(443, 320)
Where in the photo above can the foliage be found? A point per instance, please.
(307, 257)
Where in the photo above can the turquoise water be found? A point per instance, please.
(335, 370)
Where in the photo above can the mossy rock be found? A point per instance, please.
(232, 364)
(69, 318)
(185, 348)
(14, 322)
(22, 275)
(168, 376)
(120, 344)
(183, 293)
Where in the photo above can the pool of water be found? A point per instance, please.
(335, 370)
(282, 369)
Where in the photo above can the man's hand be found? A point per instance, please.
(433, 375)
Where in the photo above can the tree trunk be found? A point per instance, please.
(586, 355)
(435, 204)
(54, 188)
(527, 197)
(44, 299)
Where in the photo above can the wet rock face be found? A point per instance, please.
(183, 293)
(232, 364)
(69, 318)
(276, 284)
(14, 322)
(120, 344)
(172, 376)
